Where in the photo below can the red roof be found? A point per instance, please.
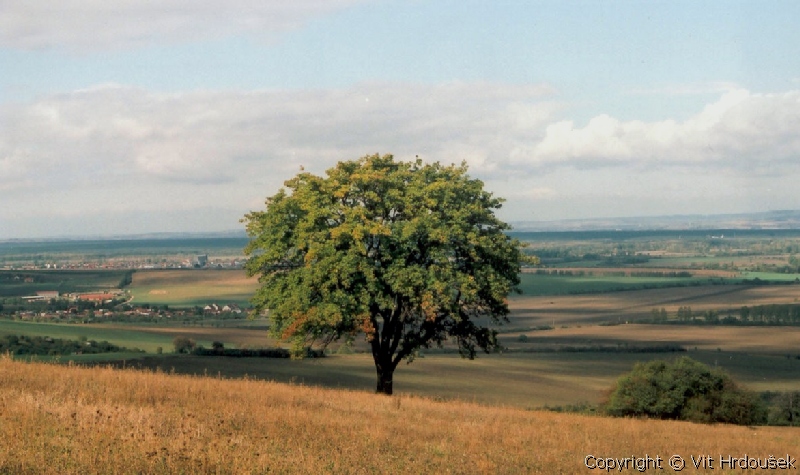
(96, 296)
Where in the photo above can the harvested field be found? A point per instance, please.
(763, 340)
(632, 305)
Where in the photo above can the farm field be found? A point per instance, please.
(186, 288)
(761, 340)
(25, 283)
(622, 306)
(131, 337)
(586, 307)
(525, 380)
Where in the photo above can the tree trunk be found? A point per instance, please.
(384, 382)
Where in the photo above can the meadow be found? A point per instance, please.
(186, 288)
(127, 336)
(75, 420)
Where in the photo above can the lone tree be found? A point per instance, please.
(410, 254)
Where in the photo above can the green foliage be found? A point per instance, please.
(683, 389)
(44, 345)
(126, 279)
(784, 408)
(409, 254)
(183, 344)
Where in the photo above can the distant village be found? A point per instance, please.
(104, 304)
(111, 305)
(200, 261)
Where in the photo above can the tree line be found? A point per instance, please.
(771, 314)
(44, 345)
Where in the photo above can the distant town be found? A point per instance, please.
(108, 306)
(201, 261)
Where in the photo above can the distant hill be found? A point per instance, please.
(784, 219)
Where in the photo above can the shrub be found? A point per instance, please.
(785, 409)
(686, 390)
(183, 344)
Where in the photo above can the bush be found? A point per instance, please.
(686, 390)
(183, 344)
(785, 409)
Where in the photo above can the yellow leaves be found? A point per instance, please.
(298, 321)
(365, 325)
(310, 256)
(428, 308)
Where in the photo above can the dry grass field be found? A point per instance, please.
(72, 420)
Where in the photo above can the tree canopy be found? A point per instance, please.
(407, 253)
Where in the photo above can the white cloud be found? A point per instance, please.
(82, 25)
(96, 148)
(713, 87)
(120, 151)
(742, 130)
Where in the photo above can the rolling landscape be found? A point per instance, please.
(390, 237)
(585, 315)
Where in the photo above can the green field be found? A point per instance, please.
(542, 284)
(24, 283)
(771, 276)
(187, 288)
(122, 336)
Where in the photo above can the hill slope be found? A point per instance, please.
(71, 420)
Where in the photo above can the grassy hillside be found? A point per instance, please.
(72, 420)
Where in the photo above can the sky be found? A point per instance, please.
(128, 117)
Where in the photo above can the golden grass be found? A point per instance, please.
(72, 420)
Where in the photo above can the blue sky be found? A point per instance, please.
(120, 117)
